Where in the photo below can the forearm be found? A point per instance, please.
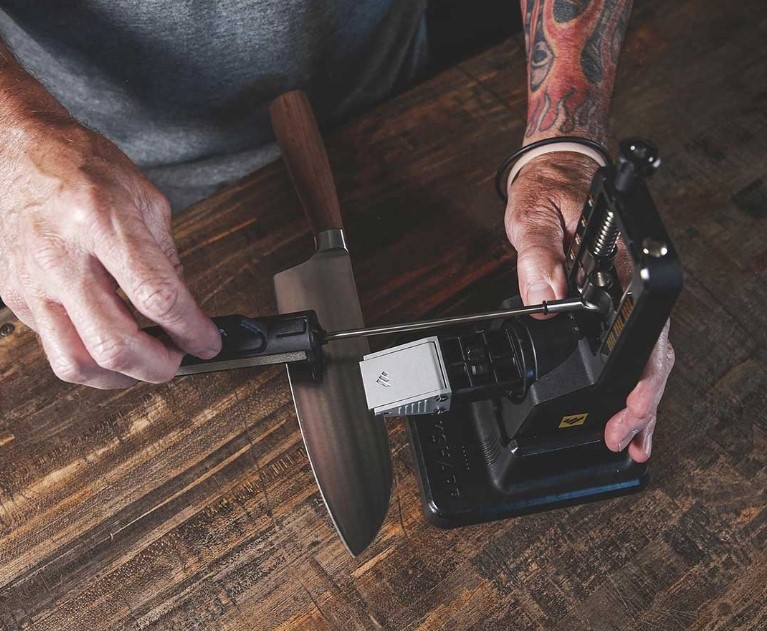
(572, 51)
(24, 99)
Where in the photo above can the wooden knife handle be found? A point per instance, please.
(305, 157)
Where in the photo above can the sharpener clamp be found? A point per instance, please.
(408, 379)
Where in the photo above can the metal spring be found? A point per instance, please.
(604, 244)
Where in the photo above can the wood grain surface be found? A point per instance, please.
(192, 505)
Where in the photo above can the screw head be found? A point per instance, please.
(654, 248)
(643, 154)
(440, 398)
(637, 160)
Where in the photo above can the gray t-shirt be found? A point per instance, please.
(183, 86)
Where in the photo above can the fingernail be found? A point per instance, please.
(647, 445)
(625, 442)
(538, 292)
(212, 351)
(209, 353)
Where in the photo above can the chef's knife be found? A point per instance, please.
(347, 446)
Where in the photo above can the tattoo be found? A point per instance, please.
(591, 60)
(541, 57)
(567, 10)
(592, 55)
(529, 6)
(616, 41)
(572, 48)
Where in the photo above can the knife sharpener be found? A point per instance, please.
(508, 417)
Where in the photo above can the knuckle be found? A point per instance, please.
(159, 300)
(162, 206)
(112, 353)
(152, 201)
(642, 408)
(85, 201)
(168, 248)
(68, 368)
(537, 251)
(644, 411)
(537, 262)
(50, 252)
(670, 357)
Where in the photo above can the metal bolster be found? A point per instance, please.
(331, 240)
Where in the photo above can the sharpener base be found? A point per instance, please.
(462, 484)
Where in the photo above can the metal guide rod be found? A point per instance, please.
(546, 307)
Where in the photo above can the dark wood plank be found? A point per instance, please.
(192, 505)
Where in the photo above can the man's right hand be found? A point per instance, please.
(78, 220)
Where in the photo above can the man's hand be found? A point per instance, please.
(78, 220)
(545, 203)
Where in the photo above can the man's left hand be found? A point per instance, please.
(545, 204)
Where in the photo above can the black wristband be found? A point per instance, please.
(503, 169)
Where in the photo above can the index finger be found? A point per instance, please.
(152, 284)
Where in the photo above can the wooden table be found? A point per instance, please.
(192, 505)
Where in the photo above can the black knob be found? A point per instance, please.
(637, 160)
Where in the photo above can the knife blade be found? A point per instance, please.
(348, 447)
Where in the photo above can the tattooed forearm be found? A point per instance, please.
(566, 10)
(572, 51)
(540, 57)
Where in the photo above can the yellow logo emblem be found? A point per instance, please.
(573, 420)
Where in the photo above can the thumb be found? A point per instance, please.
(541, 273)
(545, 201)
(538, 236)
